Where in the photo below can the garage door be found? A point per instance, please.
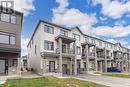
(2, 66)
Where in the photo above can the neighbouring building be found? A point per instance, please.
(10, 41)
(24, 62)
(54, 49)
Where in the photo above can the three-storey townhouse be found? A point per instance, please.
(10, 41)
(54, 49)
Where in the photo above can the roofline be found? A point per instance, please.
(66, 29)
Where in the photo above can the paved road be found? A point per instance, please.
(105, 80)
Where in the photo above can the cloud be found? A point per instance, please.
(24, 42)
(72, 17)
(113, 8)
(107, 31)
(120, 23)
(25, 6)
(123, 42)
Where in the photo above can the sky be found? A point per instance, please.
(105, 19)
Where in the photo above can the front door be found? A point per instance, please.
(2, 66)
(51, 66)
(64, 68)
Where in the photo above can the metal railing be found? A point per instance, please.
(65, 51)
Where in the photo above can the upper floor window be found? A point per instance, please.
(64, 33)
(78, 51)
(48, 45)
(7, 38)
(86, 39)
(93, 41)
(49, 29)
(100, 43)
(8, 18)
(76, 36)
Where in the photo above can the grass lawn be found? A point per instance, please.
(50, 82)
(116, 75)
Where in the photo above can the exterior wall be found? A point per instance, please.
(12, 28)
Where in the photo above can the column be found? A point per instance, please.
(87, 58)
(96, 67)
(75, 60)
(101, 66)
(105, 61)
(60, 57)
(71, 66)
(19, 66)
(43, 65)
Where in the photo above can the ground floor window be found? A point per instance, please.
(51, 66)
(14, 63)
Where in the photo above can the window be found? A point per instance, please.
(64, 33)
(48, 45)
(78, 51)
(93, 41)
(14, 62)
(48, 29)
(35, 49)
(8, 18)
(76, 36)
(5, 17)
(100, 43)
(13, 19)
(7, 38)
(86, 39)
(12, 40)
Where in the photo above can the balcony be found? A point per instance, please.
(66, 52)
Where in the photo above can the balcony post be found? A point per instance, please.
(43, 65)
(60, 57)
(96, 69)
(71, 66)
(75, 60)
(87, 59)
(19, 66)
(105, 61)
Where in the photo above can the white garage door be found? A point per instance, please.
(2, 66)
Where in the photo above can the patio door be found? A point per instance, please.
(63, 48)
(64, 68)
(2, 66)
(51, 66)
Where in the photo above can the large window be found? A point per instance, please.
(48, 45)
(76, 36)
(8, 18)
(86, 39)
(7, 38)
(64, 33)
(48, 29)
(78, 50)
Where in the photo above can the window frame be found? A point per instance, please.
(65, 33)
(78, 50)
(9, 37)
(74, 36)
(48, 45)
(49, 29)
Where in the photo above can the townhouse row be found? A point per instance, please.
(54, 49)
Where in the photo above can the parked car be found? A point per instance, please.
(113, 69)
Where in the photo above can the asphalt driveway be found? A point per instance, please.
(105, 80)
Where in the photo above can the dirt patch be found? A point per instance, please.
(71, 85)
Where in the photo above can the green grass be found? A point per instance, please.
(49, 82)
(116, 75)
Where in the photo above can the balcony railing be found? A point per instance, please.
(65, 51)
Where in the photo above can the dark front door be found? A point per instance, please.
(2, 67)
(51, 66)
(64, 68)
